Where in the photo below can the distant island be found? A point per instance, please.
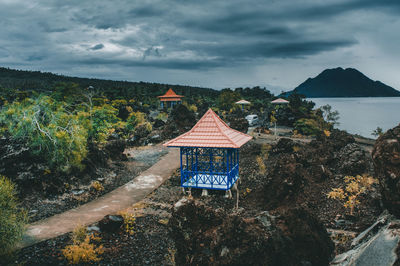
(339, 82)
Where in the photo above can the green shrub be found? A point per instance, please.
(50, 129)
(307, 126)
(103, 122)
(59, 131)
(12, 217)
(135, 119)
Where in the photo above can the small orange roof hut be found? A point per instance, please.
(209, 153)
(170, 99)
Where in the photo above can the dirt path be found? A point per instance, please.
(118, 199)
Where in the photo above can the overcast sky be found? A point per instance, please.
(209, 43)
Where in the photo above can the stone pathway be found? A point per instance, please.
(110, 203)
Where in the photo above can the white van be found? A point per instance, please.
(252, 119)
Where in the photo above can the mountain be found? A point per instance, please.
(339, 82)
(44, 81)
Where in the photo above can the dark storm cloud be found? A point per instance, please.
(97, 47)
(245, 24)
(49, 28)
(166, 64)
(329, 10)
(151, 51)
(181, 35)
(108, 15)
(35, 57)
(270, 49)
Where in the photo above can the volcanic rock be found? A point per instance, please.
(115, 149)
(352, 160)
(158, 123)
(284, 145)
(18, 164)
(386, 158)
(286, 180)
(238, 123)
(377, 245)
(207, 236)
(111, 223)
(179, 121)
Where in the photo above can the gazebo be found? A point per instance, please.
(170, 99)
(243, 103)
(209, 153)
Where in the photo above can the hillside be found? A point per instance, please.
(339, 82)
(36, 80)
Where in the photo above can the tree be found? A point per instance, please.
(377, 132)
(227, 99)
(330, 116)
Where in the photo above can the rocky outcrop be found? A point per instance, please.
(111, 223)
(207, 236)
(285, 181)
(297, 165)
(238, 123)
(18, 163)
(352, 160)
(115, 149)
(299, 173)
(337, 140)
(179, 121)
(31, 172)
(158, 123)
(386, 158)
(377, 245)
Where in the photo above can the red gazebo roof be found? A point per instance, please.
(210, 131)
(170, 95)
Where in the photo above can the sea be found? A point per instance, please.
(362, 115)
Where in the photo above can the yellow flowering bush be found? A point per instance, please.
(355, 186)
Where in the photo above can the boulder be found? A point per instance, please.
(115, 149)
(111, 223)
(238, 123)
(207, 236)
(323, 150)
(142, 131)
(14, 156)
(18, 164)
(309, 242)
(352, 160)
(284, 145)
(96, 157)
(286, 180)
(179, 121)
(386, 158)
(337, 139)
(377, 245)
(158, 123)
(319, 172)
